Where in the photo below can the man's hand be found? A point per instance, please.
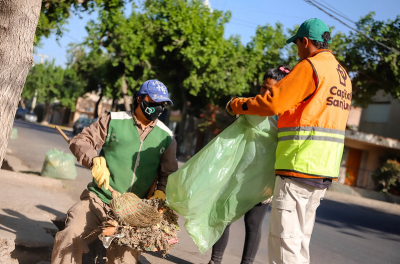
(100, 172)
(229, 108)
(159, 194)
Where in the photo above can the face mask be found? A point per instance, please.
(151, 110)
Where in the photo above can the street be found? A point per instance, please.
(343, 233)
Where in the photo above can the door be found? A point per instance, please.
(353, 166)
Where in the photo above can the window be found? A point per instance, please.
(377, 113)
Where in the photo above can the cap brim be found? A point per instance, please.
(291, 40)
(160, 98)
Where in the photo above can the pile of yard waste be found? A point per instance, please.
(157, 237)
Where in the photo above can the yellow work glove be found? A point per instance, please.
(159, 194)
(100, 172)
(229, 108)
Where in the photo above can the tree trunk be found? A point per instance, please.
(181, 132)
(22, 102)
(114, 104)
(124, 89)
(200, 141)
(182, 124)
(18, 22)
(96, 109)
(46, 113)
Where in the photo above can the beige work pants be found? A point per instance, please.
(293, 209)
(83, 218)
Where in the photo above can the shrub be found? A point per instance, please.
(387, 177)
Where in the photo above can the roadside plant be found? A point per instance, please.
(387, 177)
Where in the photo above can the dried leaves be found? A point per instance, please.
(159, 237)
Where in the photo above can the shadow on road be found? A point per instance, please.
(33, 238)
(360, 218)
(170, 258)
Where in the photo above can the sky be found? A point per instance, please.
(246, 16)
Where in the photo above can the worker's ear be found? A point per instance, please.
(306, 42)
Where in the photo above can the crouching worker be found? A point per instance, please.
(136, 147)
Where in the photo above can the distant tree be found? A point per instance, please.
(192, 57)
(125, 42)
(55, 14)
(265, 51)
(52, 82)
(387, 176)
(19, 20)
(372, 66)
(71, 89)
(94, 70)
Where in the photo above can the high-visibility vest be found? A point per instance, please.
(133, 164)
(311, 136)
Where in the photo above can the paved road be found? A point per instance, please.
(344, 233)
(31, 146)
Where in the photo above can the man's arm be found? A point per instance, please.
(285, 95)
(84, 146)
(168, 164)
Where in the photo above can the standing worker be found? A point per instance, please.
(313, 103)
(136, 147)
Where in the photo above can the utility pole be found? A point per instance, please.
(207, 4)
(42, 56)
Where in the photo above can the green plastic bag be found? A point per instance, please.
(14, 133)
(59, 165)
(228, 177)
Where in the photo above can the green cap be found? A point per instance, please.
(311, 29)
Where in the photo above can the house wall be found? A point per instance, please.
(354, 116)
(343, 164)
(85, 106)
(382, 117)
(369, 162)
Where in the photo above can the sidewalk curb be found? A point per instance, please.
(362, 201)
(359, 192)
(29, 179)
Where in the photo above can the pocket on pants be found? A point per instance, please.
(283, 218)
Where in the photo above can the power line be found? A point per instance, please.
(313, 3)
(239, 24)
(337, 11)
(70, 37)
(252, 23)
(270, 13)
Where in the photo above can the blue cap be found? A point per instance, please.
(156, 90)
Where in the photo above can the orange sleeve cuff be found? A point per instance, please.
(252, 106)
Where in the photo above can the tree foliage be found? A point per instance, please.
(371, 66)
(387, 176)
(191, 54)
(182, 43)
(54, 14)
(53, 82)
(264, 52)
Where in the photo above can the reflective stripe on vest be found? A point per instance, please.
(311, 133)
(301, 152)
(311, 136)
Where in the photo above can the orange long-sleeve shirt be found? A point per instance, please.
(285, 95)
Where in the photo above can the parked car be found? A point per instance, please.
(20, 112)
(80, 124)
(30, 117)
